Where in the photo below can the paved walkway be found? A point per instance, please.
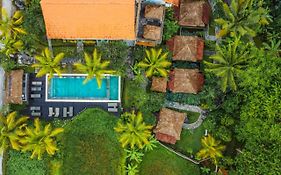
(191, 108)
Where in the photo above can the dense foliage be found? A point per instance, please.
(20, 164)
(90, 138)
(171, 26)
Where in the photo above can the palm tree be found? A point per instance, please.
(39, 140)
(212, 149)
(48, 64)
(11, 131)
(228, 62)
(11, 26)
(134, 131)
(94, 67)
(244, 17)
(11, 45)
(155, 63)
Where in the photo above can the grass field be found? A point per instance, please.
(90, 145)
(162, 162)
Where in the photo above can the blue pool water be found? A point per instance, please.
(72, 87)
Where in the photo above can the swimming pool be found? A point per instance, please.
(70, 88)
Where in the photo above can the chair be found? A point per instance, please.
(64, 113)
(35, 95)
(57, 112)
(112, 109)
(112, 105)
(36, 83)
(70, 112)
(51, 111)
(35, 114)
(35, 108)
(36, 88)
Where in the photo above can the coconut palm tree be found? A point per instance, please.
(11, 26)
(211, 149)
(94, 67)
(11, 131)
(244, 17)
(11, 45)
(155, 63)
(48, 64)
(229, 62)
(134, 132)
(39, 139)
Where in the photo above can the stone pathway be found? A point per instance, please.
(191, 108)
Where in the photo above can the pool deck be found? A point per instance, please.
(77, 106)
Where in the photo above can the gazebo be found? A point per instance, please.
(186, 81)
(15, 87)
(154, 12)
(194, 13)
(169, 126)
(186, 48)
(151, 32)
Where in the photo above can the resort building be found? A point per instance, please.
(127, 20)
(186, 48)
(186, 81)
(169, 126)
(193, 13)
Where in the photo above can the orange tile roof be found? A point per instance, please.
(89, 19)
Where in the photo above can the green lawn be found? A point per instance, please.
(90, 145)
(162, 162)
(190, 140)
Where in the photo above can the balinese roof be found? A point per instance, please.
(159, 84)
(186, 81)
(169, 126)
(152, 32)
(154, 11)
(89, 19)
(186, 48)
(174, 2)
(13, 87)
(194, 13)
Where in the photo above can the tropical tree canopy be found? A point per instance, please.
(155, 63)
(94, 67)
(243, 17)
(229, 62)
(211, 149)
(11, 26)
(48, 64)
(133, 132)
(11, 131)
(39, 139)
(11, 45)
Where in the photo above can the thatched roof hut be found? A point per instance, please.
(169, 125)
(159, 84)
(13, 87)
(152, 32)
(194, 13)
(154, 12)
(186, 81)
(186, 48)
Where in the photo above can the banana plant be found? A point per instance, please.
(11, 45)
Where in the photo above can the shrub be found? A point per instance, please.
(20, 164)
(170, 25)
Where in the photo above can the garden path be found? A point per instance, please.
(191, 108)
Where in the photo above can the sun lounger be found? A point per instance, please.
(36, 88)
(112, 105)
(70, 112)
(51, 111)
(35, 108)
(112, 109)
(35, 114)
(64, 113)
(36, 83)
(57, 112)
(35, 95)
